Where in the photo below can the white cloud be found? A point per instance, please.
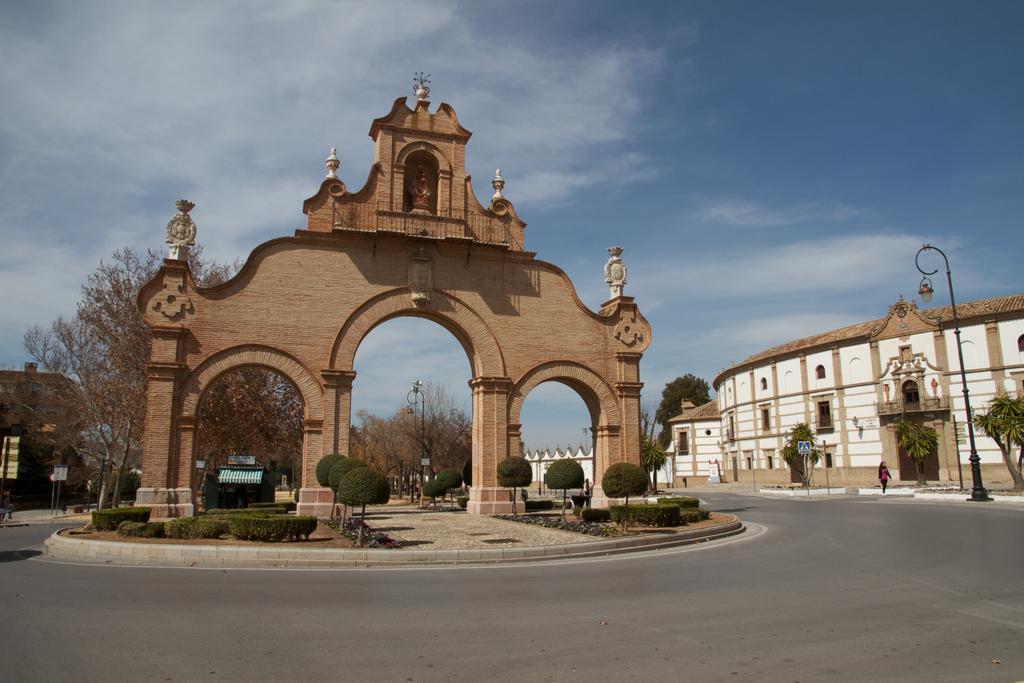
(844, 265)
(111, 112)
(740, 213)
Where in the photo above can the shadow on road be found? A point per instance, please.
(743, 509)
(16, 555)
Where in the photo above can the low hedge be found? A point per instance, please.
(691, 516)
(463, 501)
(110, 519)
(262, 511)
(141, 529)
(271, 529)
(596, 514)
(684, 502)
(647, 515)
(534, 505)
(196, 527)
(288, 505)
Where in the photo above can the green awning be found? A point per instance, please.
(228, 475)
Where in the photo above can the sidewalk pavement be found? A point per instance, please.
(24, 517)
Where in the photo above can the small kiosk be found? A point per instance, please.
(238, 484)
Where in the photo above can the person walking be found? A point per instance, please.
(6, 508)
(586, 492)
(883, 475)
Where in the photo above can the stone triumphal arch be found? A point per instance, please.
(414, 241)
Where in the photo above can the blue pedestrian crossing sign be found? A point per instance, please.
(803, 447)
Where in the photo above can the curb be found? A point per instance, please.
(64, 548)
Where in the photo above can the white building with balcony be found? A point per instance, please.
(853, 385)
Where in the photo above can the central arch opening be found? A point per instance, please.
(411, 435)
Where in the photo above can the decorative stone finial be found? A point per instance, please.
(181, 230)
(332, 164)
(421, 86)
(498, 184)
(615, 272)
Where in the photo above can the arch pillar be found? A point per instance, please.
(162, 490)
(322, 437)
(607, 443)
(490, 445)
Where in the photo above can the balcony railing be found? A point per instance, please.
(901, 406)
(449, 224)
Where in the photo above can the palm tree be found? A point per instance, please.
(652, 458)
(919, 442)
(1004, 423)
(801, 432)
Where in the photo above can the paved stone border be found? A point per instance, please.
(69, 548)
(803, 493)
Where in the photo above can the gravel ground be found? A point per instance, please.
(448, 530)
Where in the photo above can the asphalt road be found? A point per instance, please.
(845, 589)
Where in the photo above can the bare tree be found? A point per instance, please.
(103, 350)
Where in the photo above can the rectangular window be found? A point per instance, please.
(769, 458)
(766, 420)
(828, 460)
(824, 415)
(749, 457)
(683, 445)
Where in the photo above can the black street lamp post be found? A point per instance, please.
(978, 492)
(415, 398)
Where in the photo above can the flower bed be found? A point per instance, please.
(371, 538)
(552, 522)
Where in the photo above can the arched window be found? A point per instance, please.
(819, 372)
(910, 392)
(764, 382)
(1020, 343)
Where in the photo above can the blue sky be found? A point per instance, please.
(770, 168)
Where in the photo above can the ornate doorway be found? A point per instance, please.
(400, 246)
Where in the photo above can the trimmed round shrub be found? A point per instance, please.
(340, 469)
(515, 471)
(435, 487)
(463, 501)
(271, 529)
(564, 474)
(595, 515)
(685, 502)
(108, 520)
(646, 515)
(323, 468)
(624, 479)
(364, 486)
(141, 529)
(452, 477)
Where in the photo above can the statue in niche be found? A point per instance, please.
(935, 387)
(885, 387)
(421, 192)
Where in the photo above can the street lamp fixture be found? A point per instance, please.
(978, 492)
(416, 398)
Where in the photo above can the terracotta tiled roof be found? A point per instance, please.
(942, 314)
(702, 412)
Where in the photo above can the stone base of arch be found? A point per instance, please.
(492, 500)
(316, 501)
(165, 503)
